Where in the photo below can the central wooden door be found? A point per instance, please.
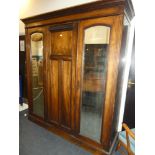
(61, 75)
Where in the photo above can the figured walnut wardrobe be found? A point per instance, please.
(73, 57)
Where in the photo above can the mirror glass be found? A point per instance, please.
(96, 40)
(37, 73)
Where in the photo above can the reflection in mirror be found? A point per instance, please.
(37, 73)
(96, 42)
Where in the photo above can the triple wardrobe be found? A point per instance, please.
(73, 57)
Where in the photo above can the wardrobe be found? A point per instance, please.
(73, 59)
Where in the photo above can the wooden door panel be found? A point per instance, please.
(66, 93)
(62, 40)
(61, 43)
(54, 107)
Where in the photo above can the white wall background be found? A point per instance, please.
(34, 7)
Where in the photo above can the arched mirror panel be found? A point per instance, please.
(96, 41)
(37, 73)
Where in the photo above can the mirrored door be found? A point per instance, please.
(97, 67)
(96, 41)
(37, 73)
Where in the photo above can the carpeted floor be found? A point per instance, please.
(35, 140)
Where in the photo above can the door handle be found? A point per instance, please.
(130, 84)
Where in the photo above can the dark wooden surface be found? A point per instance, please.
(66, 94)
(74, 10)
(112, 72)
(61, 43)
(53, 109)
(62, 76)
(106, 11)
(63, 27)
(89, 7)
(120, 83)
